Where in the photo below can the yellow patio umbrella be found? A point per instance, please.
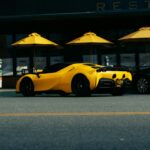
(34, 39)
(142, 35)
(89, 38)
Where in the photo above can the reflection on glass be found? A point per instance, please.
(127, 60)
(90, 58)
(144, 59)
(39, 62)
(7, 67)
(56, 59)
(22, 65)
(108, 59)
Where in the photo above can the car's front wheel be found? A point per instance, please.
(80, 86)
(27, 87)
(143, 85)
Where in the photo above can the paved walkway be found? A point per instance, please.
(7, 92)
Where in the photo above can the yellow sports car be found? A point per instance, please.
(80, 79)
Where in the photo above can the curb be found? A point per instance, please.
(7, 90)
(8, 93)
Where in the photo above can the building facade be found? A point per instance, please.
(63, 21)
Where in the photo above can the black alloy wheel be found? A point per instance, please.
(143, 86)
(80, 86)
(27, 87)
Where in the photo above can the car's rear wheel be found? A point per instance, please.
(143, 86)
(27, 87)
(80, 86)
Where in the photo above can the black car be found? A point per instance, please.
(141, 80)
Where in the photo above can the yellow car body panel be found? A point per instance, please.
(62, 79)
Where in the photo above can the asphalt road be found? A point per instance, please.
(100, 122)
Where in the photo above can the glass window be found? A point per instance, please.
(108, 59)
(56, 59)
(90, 58)
(7, 67)
(144, 59)
(39, 62)
(127, 60)
(22, 65)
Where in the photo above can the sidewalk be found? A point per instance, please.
(7, 92)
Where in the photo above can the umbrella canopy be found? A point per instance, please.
(142, 35)
(89, 38)
(34, 39)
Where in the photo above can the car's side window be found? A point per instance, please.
(54, 68)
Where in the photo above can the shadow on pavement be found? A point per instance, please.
(12, 93)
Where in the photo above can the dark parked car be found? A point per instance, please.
(141, 80)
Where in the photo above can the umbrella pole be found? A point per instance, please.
(14, 63)
(31, 61)
(92, 54)
(31, 65)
